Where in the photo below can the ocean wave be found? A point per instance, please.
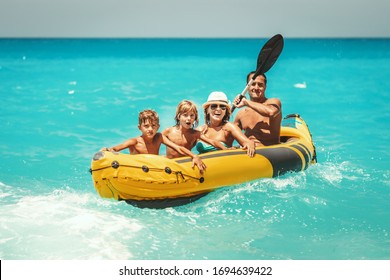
(300, 85)
(65, 224)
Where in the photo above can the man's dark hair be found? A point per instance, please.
(253, 72)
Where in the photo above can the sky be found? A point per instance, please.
(195, 18)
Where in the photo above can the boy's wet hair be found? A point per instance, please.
(186, 106)
(253, 72)
(150, 115)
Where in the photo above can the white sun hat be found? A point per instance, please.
(217, 97)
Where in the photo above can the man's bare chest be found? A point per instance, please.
(252, 119)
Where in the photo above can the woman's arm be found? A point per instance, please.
(244, 141)
(269, 109)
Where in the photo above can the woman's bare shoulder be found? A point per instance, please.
(229, 125)
(201, 128)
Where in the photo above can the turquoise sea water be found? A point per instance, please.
(62, 100)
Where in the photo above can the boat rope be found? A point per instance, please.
(168, 170)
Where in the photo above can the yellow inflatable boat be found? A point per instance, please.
(157, 182)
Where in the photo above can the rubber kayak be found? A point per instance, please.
(155, 181)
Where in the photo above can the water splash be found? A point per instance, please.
(65, 225)
(300, 85)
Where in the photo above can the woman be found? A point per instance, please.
(217, 113)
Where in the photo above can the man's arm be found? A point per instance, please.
(269, 109)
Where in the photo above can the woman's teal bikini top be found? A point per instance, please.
(203, 147)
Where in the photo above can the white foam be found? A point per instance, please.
(329, 172)
(300, 85)
(65, 225)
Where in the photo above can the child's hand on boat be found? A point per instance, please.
(196, 160)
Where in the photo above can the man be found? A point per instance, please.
(261, 118)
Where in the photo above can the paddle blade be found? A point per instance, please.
(269, 54)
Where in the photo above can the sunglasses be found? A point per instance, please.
(215, 106)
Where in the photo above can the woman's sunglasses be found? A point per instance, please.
(215, 106)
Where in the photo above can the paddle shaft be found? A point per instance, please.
(242, 94)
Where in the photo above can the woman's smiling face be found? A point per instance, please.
(216, 112)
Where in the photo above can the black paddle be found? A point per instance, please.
(268, 55)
